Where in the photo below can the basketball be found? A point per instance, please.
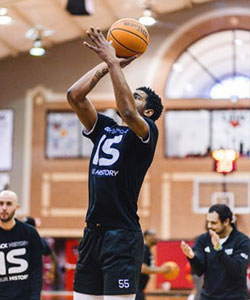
(174, 270)
(129, 37)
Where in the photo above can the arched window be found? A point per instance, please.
(216, 66)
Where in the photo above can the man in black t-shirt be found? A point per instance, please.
(148, 266)
(111, 251)
(20, 254)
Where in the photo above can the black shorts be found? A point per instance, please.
(109, 261)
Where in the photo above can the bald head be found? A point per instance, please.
(8, 207)
(7, 194)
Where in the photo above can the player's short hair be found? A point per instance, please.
(149, 232)
(29, 220)
(223, 211)
(153, 101)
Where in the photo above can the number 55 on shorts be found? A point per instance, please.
(123, 283)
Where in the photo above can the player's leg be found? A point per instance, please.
(122, 252)
(120, 297)
(88, 278)
(79, 296)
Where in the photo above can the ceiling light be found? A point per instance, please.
(37, 49)
(4, 18)
(148, 17)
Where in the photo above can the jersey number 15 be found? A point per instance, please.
(107, 149)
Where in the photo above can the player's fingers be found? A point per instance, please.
(96, 32)
(90, 46)
(93, 38)
(130, 59)
(100, 39)
(100, 34)
(183, 246)
(211, 232)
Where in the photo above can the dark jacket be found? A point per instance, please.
(225, 271)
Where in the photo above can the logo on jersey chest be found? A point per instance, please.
(115, 130)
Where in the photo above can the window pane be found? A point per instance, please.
(187, 133)
(231, 130)
(230, 88)
(64, 135)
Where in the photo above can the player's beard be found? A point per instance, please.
(11, 216)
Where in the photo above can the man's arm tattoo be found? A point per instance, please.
(98, 75)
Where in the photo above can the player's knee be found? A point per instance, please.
(80, 296)
(120, 297)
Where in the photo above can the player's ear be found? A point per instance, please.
(148, 112)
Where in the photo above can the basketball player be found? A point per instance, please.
(20, 254)
(222, 256)
(111, 251)
(148, 267)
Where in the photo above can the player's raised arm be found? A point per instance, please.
(77, 93)
(124, 97)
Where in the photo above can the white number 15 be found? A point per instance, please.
(107, 149)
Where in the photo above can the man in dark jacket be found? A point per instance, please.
(20, 254)
(222, 255)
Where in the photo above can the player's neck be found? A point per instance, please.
(8, 225)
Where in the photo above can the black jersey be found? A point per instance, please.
(118, 164)
(148, 260)
(20, 263)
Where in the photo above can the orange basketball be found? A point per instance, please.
(174, 270)
(129, 37)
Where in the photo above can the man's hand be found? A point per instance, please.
(164, 269)
(215, 239)
(187, 250)
(104, 49)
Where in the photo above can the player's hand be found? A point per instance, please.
(163, 269)
(126, 61)
(187, 250)
(100, 45)
(104, 49)
(215, 239)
